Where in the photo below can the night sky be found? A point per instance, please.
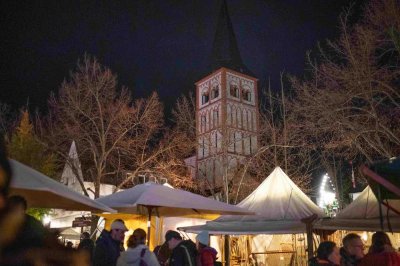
(152, 44)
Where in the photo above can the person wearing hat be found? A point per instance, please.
(184, 252)
(108, 244)
(206, 254)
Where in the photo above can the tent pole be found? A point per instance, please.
(310, 243)
(380, 207)
(150, 210)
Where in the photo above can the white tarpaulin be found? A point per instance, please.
(279, 204)
(166, 201)
(43, 192)
(363, 215)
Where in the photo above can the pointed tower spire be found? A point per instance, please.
(225, 52)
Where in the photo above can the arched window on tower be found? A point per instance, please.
(215, 92)
(215, 118)
(246, 94)
(204, 98)
(203, 121)
(234, 90)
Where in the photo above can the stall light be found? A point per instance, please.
(364, 236)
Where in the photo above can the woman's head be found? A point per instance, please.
(379, 241)
(328, 251)
(137, 238)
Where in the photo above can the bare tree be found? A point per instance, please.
(350, 107)
(107, 126)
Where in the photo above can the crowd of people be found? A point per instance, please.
(175, 251)
(381, 252)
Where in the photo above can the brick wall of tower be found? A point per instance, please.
(226, 122)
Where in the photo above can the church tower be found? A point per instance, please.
(226, 108)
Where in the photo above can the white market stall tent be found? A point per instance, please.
(363, 215)
(279, 206)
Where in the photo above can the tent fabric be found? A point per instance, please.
(279, 206)
(167, 202)
(391, 224)
(248, 227)
(43, 192)
(363, 215)
(366, 206)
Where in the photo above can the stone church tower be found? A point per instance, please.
(226, 108)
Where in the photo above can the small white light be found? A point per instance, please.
(46, 219)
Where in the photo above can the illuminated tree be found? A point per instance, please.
(27, 149)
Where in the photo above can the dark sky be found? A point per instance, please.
(152, 44)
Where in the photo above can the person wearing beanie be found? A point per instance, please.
(137, 253)
(184, 252)
(108, 244)
(206, 254)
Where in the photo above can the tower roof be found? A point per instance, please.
(225, 52)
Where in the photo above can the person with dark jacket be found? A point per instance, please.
(381, 252)
(184, 252)
(327, 255)
(206, 254)
(162, 253)
(108, 244)
(86, 244)
(352, 251)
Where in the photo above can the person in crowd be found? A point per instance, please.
(5, 179)
(381, 252)
(137, 254)
(184, 252)
(69, 245)
(162, 253)
(107, 249)
(327, 255)
(28, 232)
(86, 244)
(206, 254)
(352, 251)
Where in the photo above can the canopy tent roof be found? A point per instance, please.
(279, 206)
(166, 201)
(43, 192)
(363, 214)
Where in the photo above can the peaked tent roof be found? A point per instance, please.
(363, 214)
(366, 206)
(225, 52)
(279, 204)
(73, 159)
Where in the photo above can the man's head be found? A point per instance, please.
(85, 235)
(173, 238)
(354, 246)
(17, 204)
(118, 230)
